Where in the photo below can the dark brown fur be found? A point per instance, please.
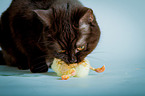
(35, 31)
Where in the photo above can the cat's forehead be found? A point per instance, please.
(66, 36)
(70, 38)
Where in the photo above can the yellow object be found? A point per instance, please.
(77, 69)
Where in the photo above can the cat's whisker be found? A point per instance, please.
(96, 52)
(41, 67)
(40, 38)
(94, 58)
(46, 41)
(37, 64)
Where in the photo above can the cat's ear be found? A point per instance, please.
(87, 17)
(43, 15)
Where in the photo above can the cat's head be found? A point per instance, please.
(73, 33)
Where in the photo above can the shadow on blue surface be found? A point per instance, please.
(123, 81)
(13, 71)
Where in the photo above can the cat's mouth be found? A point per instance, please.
(71, 62)
(68, 62)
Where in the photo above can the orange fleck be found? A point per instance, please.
(99, 70)
(65, 77)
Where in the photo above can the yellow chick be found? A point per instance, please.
(76, 69)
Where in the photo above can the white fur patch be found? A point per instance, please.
(84, 29)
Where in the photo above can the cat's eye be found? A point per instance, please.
(81, 48)
(62, 51)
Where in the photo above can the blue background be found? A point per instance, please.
(121, 49)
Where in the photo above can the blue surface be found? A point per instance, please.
(121, 49)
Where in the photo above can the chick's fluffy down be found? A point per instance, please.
(61, 68)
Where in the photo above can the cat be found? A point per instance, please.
(34, 32)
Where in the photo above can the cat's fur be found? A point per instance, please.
(34, 32)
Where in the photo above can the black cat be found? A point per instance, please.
(34, 32)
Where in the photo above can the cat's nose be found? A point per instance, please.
(73, 61)
(72, 58)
